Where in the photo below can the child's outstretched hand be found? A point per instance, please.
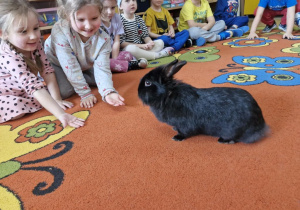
(88, 102)
(114, 99)
(64, 104)
(252, 36)
(288, 36)
(70, 120)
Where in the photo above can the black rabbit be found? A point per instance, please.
(229, 113)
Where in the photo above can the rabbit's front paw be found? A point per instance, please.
(178, 137)
(223, 141)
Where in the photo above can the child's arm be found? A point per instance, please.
(153, 35)
(171, 31)
(289, 23)
(53, 88)
(125, 44)
(192, 23)
(210, 23)
(103, 75)
(259, 13)
(50, 104)
(116, 47)
(50, 79)
(149, 44)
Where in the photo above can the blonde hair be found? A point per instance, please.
(108, 0)
(69, 7)
(10, 12)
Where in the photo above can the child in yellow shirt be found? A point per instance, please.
(197, 17)
(160, 26)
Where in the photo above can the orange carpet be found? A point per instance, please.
(124, 158)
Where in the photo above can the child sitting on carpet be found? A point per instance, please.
(79, 52)
(227, 10)
(197, 17)
(136, 39)
(22, 59)
(112, 24)
(159, 22)
(268, 9)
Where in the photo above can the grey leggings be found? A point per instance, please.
(211, 35)
(65, 87)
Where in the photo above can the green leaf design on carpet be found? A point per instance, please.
(160, 61)
(203, 54)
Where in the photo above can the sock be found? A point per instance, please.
(200, 41)
(237, 32)
(233, 27)
(165, 52)
(225, 35)
(244, 28)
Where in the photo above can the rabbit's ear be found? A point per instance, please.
(173, 67)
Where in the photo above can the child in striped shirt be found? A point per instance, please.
(111, 23)
(136, 39)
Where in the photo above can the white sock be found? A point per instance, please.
(165, 52)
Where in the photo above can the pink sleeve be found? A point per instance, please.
(18, 69)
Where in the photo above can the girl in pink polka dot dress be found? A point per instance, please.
(22, 59)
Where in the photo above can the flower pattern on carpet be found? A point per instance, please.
(257, 42)
(259, 69)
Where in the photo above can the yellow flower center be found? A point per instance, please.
(41, 130)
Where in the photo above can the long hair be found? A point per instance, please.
(14, 12)
(69, 7)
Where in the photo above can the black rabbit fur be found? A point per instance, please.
(231, 114)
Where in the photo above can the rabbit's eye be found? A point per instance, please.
(148, 83)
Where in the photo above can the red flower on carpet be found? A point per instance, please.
(39, 132)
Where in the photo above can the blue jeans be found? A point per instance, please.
(177, 42)
(239, 21)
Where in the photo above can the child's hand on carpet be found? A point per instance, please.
(288, 36)
(88, 102)
(252, 36)
(114, 99)
(70, 120)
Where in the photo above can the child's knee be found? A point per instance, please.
(164, 38)
(194, 32)
(185, 33)
(124, 55)
(221, 23)
(132, 48)
(66, 93)
(159, 44)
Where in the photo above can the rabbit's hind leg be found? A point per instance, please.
(226, 141)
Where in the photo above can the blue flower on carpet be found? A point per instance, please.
(267, 62)
(259, 69)
(257, 42)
